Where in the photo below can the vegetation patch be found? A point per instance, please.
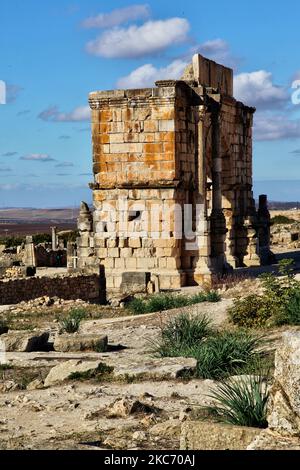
(241, 402)
(71, 323)
(282, 219)
(161, 302)
(278, 305)
(219, 354)
(100, 373)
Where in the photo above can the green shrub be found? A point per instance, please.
(161, 302)
(227, 353)
(251, 311)
(218, 354)
(241, 402)
(71, 323)
(182, 333)
(290, 313)
(279, 303)
(282, 219)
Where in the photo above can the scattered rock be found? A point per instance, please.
(202, 435)
(139, 436)
(62, 372)
(36, 384)
(126, 407)
(25, 341)
(167, 429)
(78, 342)
(8, 386)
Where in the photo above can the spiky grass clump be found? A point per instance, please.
(218, 354)
(162, 302)
(182, 333)
(227, 353)
(71, 323)
(242, 402)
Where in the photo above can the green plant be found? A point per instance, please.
(71, 323)
(218, 354)
(278, 304)
(161, 302)
(250, 311)
(227, 353)
(282, 219)
(242, 402)
(181, 334)
(290, 314)
(4, 367)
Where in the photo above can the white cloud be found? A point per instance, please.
(81, 113)
(146, 75)
(138, 41)
(257, 89)
(117, 17)
(38, 157)
(275, 127)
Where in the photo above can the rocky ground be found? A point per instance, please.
(134, 401)
(140, 405)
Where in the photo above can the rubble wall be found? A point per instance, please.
(73, 287)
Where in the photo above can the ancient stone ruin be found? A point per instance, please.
(172, 190)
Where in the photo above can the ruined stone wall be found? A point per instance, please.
(65, 287)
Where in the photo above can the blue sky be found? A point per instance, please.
(53, 53)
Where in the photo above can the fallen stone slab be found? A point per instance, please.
(79, 342)
(202, 435)
(268, 440)
(62, 372)
(151, 368)
(21, 341)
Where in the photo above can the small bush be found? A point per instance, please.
(241, 402)
(290, 313)
(282, 219)
(279, 304)
(227, 353)
(251, 311)
(162, 302)
(71, 323)
(181, 334)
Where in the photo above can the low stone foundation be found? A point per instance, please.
(85, 287)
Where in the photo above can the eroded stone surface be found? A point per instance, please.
(25, 341)
(80, 342)
(201, 435)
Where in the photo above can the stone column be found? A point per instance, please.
(54, 238)
(218, 228)
(30, 258)
(202, 273)
(264, 235)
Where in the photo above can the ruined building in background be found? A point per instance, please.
(172, 190)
